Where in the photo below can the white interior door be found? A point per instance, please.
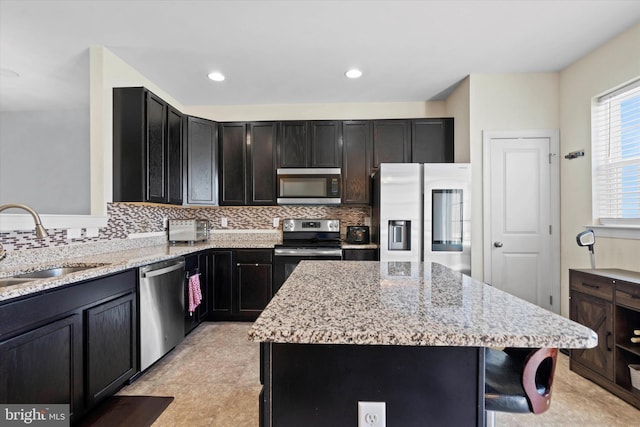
(520, 239)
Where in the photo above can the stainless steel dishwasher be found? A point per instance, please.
(161, 309)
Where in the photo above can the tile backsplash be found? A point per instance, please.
(132, 218)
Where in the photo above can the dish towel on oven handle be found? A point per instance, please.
(195, 293)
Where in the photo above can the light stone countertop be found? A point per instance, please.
(397, 303)
(115, 259)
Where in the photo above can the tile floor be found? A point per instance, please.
(214, 377)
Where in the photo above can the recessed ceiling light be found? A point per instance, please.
(216, 76)
(353, 73)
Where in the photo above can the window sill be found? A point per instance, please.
(15, 222)
(616, 231)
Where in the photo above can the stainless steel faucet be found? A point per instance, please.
(41, 232)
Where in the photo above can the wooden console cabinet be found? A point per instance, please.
(607, 301)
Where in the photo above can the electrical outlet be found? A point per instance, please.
(276, 222)
(372, 414)
(224, 221)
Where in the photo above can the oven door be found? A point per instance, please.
(285, 260)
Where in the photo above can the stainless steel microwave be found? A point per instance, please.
(309, 186)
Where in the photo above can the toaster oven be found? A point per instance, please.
(188, 230)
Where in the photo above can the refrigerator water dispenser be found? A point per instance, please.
(399, 235)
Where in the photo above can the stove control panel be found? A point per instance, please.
(323, 225)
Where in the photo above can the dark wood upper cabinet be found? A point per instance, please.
(156, 133)
(233, 158)
(432, 141)
(356, 163)
(315, 144)
(147, 146)
(260, 170)
(175, 160)
(201, 140)
(391, 141)
(293, 144)
(325, 144)
(248, 163)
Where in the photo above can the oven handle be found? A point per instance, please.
(307, 252)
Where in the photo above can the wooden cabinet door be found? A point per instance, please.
(254, 288)
(205, 263)
(325, 144)
(175, 157)
(432, 141)
(221, 282)
(391, 141)
(293, 146)
(156, 149)
(233, 162)
(261, 173)
(356, 164)
(596, 314)
(253, 282)
(201, 161)
(44, 365)
(111, 355)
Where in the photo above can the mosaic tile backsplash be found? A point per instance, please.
(131, 218)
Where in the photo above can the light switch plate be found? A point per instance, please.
(224, 221)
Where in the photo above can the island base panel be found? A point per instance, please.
(320, 385)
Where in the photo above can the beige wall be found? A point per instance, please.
(504, 102)
(613, 64)
(106, 72)
(345, 111)
(457, 106)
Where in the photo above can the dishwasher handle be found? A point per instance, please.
(160, 271)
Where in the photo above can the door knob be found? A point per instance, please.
(497, 244)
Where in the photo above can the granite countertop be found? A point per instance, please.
(114, 260)
(397, 303)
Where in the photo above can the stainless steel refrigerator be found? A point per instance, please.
(422, 212)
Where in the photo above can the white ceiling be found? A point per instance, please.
(284, 52)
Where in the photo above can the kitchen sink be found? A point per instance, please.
(54, 272)
(10, 281)
(47, 273)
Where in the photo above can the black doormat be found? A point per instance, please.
(129, 411)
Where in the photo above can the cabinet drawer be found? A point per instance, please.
(628, 294)
(248, 256)
(589, 284)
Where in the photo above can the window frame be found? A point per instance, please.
(628, 228)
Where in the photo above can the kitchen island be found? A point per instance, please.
(411, 335)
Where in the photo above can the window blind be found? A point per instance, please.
(615, 153)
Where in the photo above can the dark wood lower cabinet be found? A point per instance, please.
(111, 355)
(253, 282)
(360, 254)
(241, 283)
(74, 345)
(44, 365)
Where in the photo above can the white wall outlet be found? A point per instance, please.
(372, 414)
(74, 233)
(276, 222)
(367, 221)
(92, 232)
(165, 223)
(224, 221)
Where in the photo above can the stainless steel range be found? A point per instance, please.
(305, 239)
